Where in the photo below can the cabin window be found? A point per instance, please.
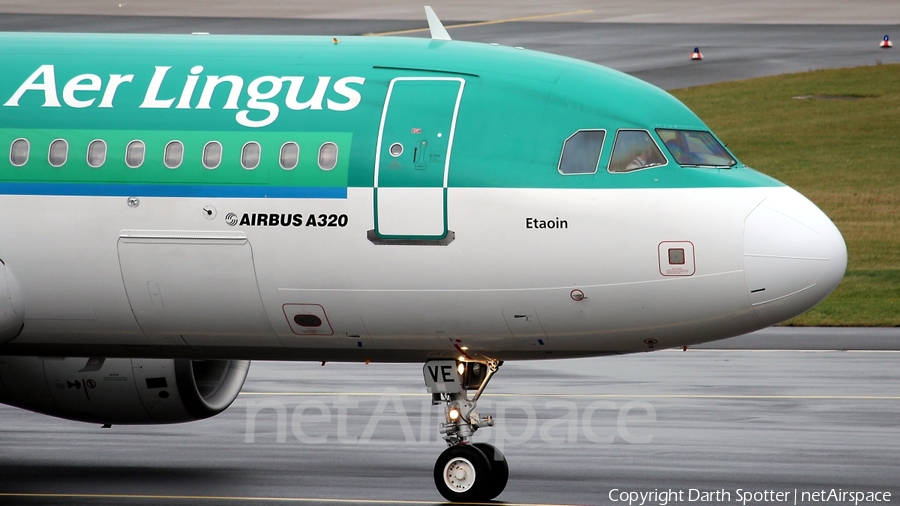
(581, 152)
(250, 156)
(59, 152)
(134, 154)
(212, 154)
(290, 155)
(174, 154)
(635, 150)
(328, 153)
(96, 153)
(18, 152)
(695, 148)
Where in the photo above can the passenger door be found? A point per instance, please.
(412, 161)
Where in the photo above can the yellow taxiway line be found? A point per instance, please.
(219, 498)
(482, 23)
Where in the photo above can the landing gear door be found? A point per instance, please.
(412, 161)
(441, 376)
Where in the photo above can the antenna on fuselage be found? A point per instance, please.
(438, 32)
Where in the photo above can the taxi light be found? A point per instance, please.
(453, 414)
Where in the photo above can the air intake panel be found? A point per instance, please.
(121, 390)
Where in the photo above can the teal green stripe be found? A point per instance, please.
(159, 190)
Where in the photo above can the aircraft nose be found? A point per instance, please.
(794, 256)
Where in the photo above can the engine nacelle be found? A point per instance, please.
(12, 305)
(122, 390)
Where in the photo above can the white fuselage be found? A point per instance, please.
(171, 277)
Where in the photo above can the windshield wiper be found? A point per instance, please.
(702, 166)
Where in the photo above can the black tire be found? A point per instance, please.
(499, 470)
(473, 481)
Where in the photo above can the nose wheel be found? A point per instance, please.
(471, 473)
(465, 471)
(462, 473)
(499, 469)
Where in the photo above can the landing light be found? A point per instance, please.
(461, 368)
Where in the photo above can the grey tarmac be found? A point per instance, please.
(655, 52)
(573, 431)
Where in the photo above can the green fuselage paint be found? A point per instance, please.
(308, 91)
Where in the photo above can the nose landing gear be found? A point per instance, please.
(465, 471)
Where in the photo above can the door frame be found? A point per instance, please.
(451, 137)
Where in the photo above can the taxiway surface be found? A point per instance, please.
(655, 52)
(574, 432)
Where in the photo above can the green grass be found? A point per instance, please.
(843, 154)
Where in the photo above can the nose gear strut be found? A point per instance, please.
(465, 471)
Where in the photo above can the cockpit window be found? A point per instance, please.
(581, 152)
(695, 148)
(633, 150)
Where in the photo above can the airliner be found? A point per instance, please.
(176, 206)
